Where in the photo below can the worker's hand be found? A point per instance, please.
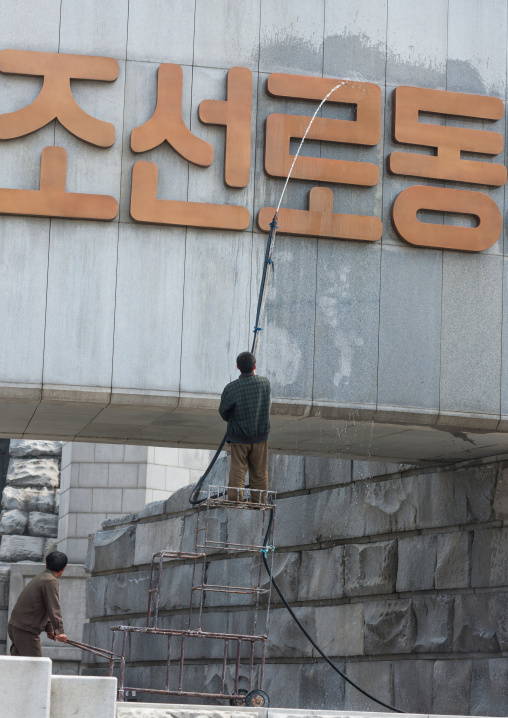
(51, 635)
(62, 638)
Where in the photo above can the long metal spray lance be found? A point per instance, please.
(268, 263)
(267, 266)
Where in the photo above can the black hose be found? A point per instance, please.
(193, 498)
(308, 636)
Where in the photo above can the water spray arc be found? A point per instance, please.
(193, 499)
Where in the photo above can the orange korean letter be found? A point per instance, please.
(145, 207)
(51, 199)
(448, 141)
(235, 114)
(321, 221)
(444, 236)
(166, 123)
(55, 100)
(365, 130)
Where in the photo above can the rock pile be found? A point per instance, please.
(29, 516)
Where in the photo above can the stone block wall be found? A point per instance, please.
(400, 576)
(30, 500)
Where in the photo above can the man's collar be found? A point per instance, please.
(247, 373)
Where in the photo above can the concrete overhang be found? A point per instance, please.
(192, 421)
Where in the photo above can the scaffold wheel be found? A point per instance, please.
(238, 699)
(257, 699)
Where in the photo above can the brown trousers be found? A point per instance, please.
(24, 643)
(254, 458)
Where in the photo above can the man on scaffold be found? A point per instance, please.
(245, 405)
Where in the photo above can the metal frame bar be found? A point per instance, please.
(214, 498)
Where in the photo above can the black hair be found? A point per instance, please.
(56, 561)
(246, 362)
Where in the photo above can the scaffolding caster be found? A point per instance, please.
(254, 699)
(257, 699)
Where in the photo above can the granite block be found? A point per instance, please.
(417, 563)
(157, 536)
(339, 629)
(321, 471)
(488, 686)
(453, 563)
(479, 623)
(113, 549)
(322, 574)
(434, 623)
(375, 678)
(370, 568)
(390, 627)
(489, 557)
(412, 686)
(451, 686)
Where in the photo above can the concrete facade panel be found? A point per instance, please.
(161, 31)
(268, 189)
(417, 44)
(154, 278)
(93, 28)
(296, 46)
(347, 321)
(410, 328)
(24, 246)
(504, 349)
(471, 321)
(477, 47)
(81, 278)
(220, 44)
(355, 40)
(25, 25)
(289, 315)
(216, 267)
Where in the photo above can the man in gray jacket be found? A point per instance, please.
(38, 609)
(245, 405)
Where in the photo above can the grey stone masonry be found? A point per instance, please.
(30, 500)
(399, 571)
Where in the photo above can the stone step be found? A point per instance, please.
(28, 690)
(169, 710)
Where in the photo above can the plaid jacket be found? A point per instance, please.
(245, 405)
